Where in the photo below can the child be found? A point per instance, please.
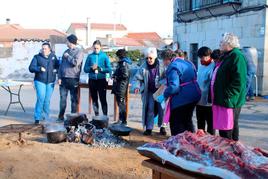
(204, 75)
(120, 83)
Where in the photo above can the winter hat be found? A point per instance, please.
(72, 39)
(121, 53)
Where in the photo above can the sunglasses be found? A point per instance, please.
(149, 58)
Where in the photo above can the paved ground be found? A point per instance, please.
(253, 119)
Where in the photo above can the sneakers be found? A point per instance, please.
(36, 122)
(163, 131)
(147, 132)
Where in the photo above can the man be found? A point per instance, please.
(147, 81)
(45, 66)
(69, 73)
(97, 66)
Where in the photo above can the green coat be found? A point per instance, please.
(230, 82)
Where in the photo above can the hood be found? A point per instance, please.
(127, 60)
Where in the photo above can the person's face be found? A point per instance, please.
(150, 59)
(96, 48)
(70, 45)
(205, 58)
(224, 47)
(46, 50)
(166, 62)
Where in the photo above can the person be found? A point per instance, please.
(45, 66)
(69, 74)
(147, 81)
(97, 66)
(204, 75)
(121, 82)
(228, 87)
(251, 70)
(183, 91)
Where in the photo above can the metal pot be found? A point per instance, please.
(120, 130)
(100, 122)
(56, 133)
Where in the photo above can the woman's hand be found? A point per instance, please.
(137, 90)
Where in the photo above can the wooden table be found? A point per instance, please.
(85, 85)
(160, 171)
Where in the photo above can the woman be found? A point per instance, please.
(121, 82)
(147, 81)
(204, 74)
(229, 88)
(44, 65)
(97, 65)
(184, 92)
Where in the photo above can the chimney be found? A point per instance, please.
(7, 21)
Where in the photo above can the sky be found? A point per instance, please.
(136, 15)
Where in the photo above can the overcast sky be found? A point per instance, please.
(137, 15)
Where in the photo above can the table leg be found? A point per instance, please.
(115, 109)
(19, 98)
(78, 109)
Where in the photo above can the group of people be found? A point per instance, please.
(217, 90)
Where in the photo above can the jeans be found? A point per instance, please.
(150, 112)
(121, 102)
(181, 119)
(204, 117)
(68, 84)
(43, 94)
(98, 89)
(249, 85)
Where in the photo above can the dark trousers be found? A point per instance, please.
(181, 119)
(68, 84)
(98, 90)
(204, 116)
(234, 133)
(121, 102)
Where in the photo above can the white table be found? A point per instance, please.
(8, 86)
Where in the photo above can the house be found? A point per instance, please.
(199, 23)
(87, 33)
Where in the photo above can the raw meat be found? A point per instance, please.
(215, 151)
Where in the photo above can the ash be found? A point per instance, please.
(103, 138)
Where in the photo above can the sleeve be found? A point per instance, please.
(123, 73)
(138, 79)
(107, 68)
(34, 68)
(76, 59)
(238, 78)
(57, 63)
(87, 67)
(173, 85)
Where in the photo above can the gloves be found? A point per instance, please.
(160, 98)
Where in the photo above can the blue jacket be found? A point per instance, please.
(103, 62)
(178, 73)
(51, 64)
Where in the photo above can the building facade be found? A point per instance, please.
(202, 22)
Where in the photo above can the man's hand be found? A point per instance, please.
(59, 81)
(94, 67)
(43, 69)
(66, 55)
(136, 91)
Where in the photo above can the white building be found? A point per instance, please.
(202, 22)
(87, 33)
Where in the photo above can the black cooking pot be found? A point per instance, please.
(56, 133)
(120, 130)
(100, 122)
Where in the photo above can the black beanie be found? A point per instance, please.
(121, 53)
(72, 39)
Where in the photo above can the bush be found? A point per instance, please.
(134, 55)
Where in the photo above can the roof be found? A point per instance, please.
(10, 32)
(99, 26)
(144, 35)
(127, 42)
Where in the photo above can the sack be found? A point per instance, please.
(223, 118)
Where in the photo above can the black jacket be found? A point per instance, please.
(121, 78)
(51, 64)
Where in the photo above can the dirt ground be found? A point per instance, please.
(38, 159)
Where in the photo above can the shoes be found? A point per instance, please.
(252, 98)
(147, 132)
(36, 122)
(163, 131)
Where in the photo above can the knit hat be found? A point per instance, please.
(72, 39)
